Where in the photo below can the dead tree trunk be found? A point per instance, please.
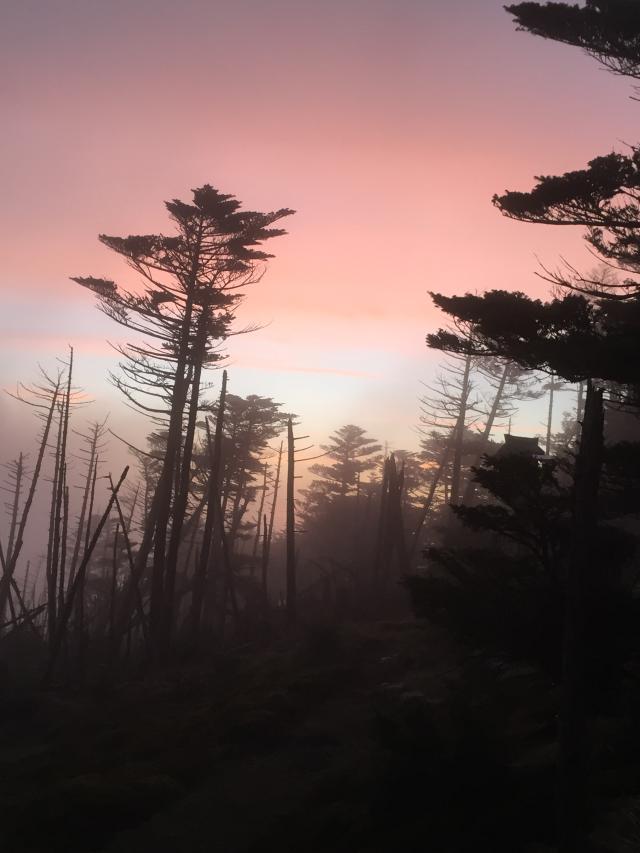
(264, 564)
(25, 581)
(5, 583)
(486, 433)
(24, 613)
(228, 579)
(381, 534)
(17, 473)
(396, 521)
(93, 439)
(266, 554)
(456, 473)
(391, 535)
(63, 545)
(256, 539)
(61, 467)
(112, 598)
(79, 608)
(132, 578)
(290, 532)
(50, 566)
(61, 627)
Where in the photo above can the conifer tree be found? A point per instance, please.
(192, 282)
(591, 336)
(352, 453)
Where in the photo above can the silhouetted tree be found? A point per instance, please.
(391, 539)
(352, 453)
(577, 338)
(452, 406)
(249, 425)
(334, 505)
(508, 384)
(191, 285)
(236, 454)
(44, 397)
(16, 471)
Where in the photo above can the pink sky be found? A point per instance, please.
(386, 125)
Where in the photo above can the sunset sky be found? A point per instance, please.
(386, 125)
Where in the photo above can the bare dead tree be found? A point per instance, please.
(61, 628)
(452, 405)
(92, 445)
(44, 398)
(290, 529)
(16, 471)
(266, 551)
(256, 538)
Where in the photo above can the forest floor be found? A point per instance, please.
(367, 738)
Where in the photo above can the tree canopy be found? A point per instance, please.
(571, 336)
(608, 30)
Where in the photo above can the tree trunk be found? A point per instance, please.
(429, 501)
(61, 627)
(5, 583)
(267, 551)
(201, 582)
(264, 561)
(79, 608)
(182, 496)
(15, 504)
(579, 405)
(486, 433)
(112, 598)
(63, 546)
(93, 445)
(397, 521)
(133, 579)
(50, 567)
(158, 521)
(61, 467)
(391, 537)
(25, 582)
(550, 417)
(379, 568)
(228, 587)
(291, 556)
(572, 794)
(459, 434)
(256, 539)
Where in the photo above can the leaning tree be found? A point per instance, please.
(191, 283)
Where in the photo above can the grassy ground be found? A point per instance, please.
(369, 738)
